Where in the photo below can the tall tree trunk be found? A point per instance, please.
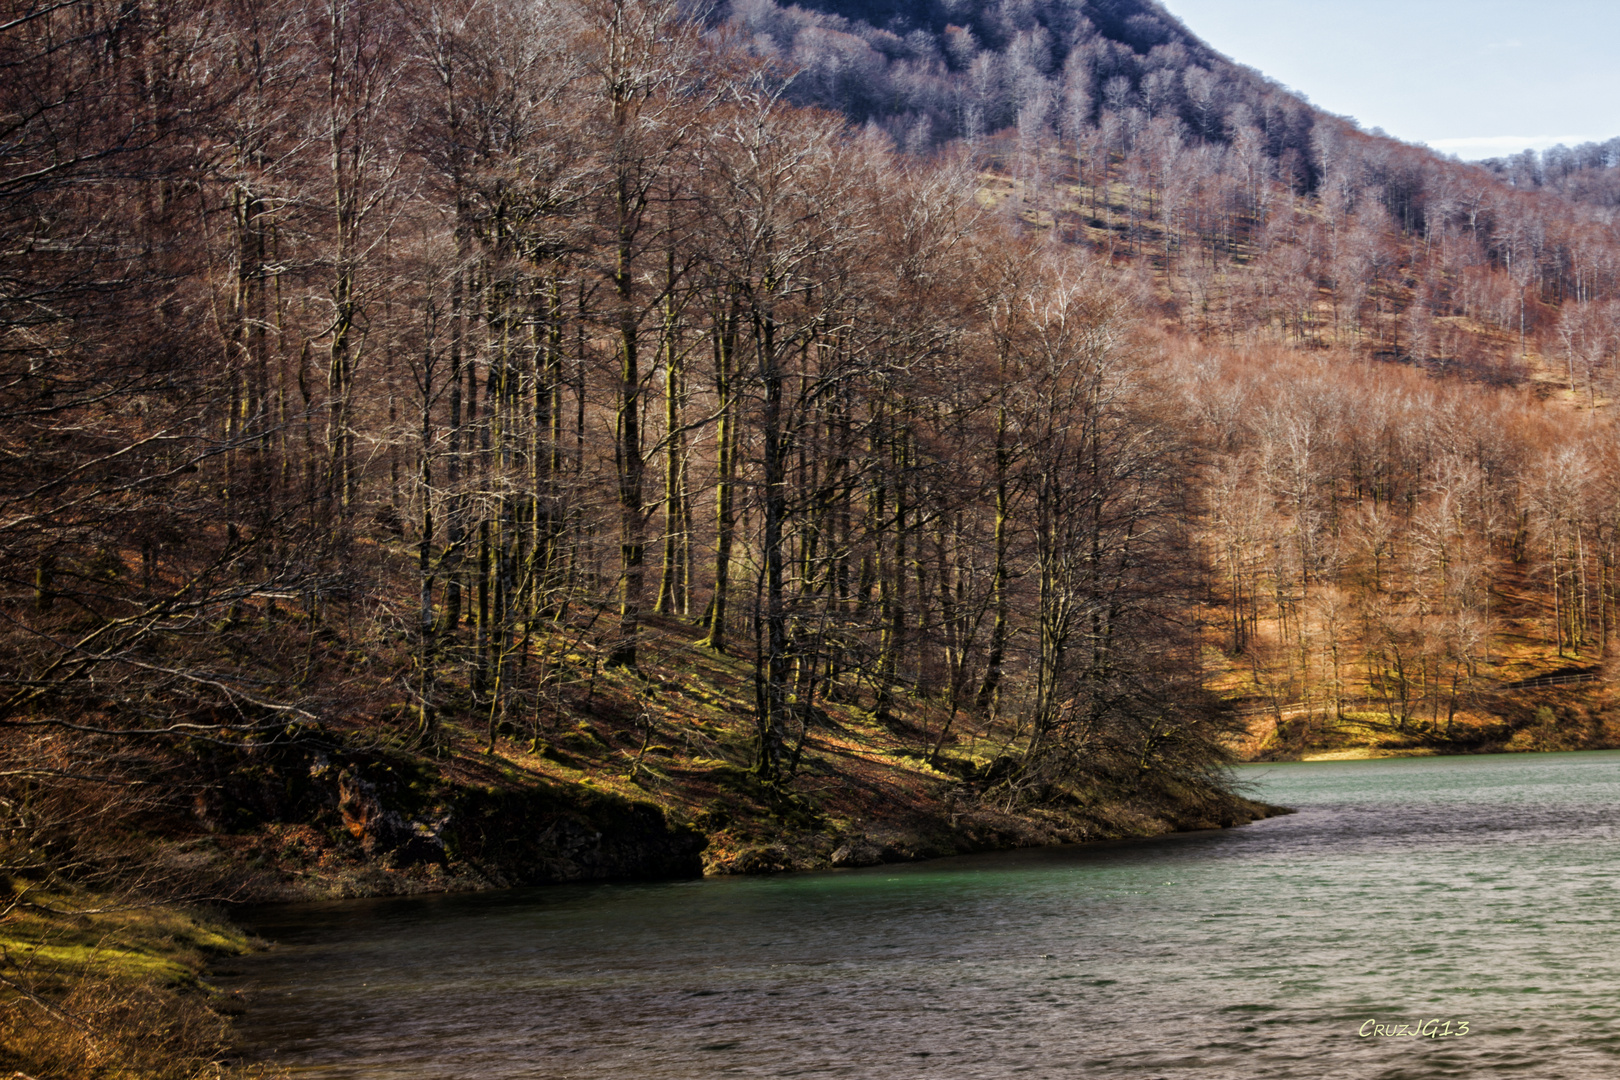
(989, 696)
(726, 445)
(672, 579)
(776, 662)
(627, 445)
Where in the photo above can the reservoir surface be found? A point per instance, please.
(1479, 893)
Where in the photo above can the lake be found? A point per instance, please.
(1480, 893)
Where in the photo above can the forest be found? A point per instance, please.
(389, 383)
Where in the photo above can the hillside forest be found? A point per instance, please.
(1071, 404)
(374, 360)
(750, 426)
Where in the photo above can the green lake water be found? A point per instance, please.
(1479, 891)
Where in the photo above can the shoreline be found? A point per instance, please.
(336, 816)
(583, 845)
(246, 926)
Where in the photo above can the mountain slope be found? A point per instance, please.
(1250, 220)
(929, 72)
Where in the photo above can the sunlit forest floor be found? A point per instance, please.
(623, 773)
(1524, 696)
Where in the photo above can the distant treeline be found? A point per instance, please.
(1589, 173)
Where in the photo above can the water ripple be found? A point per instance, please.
(1470, 890)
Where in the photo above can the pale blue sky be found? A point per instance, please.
(1476, 78)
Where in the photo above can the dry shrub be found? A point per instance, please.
(102, 1028)
(98, 969)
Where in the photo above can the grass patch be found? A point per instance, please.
(92, 987)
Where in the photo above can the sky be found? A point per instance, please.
(1475, 78)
